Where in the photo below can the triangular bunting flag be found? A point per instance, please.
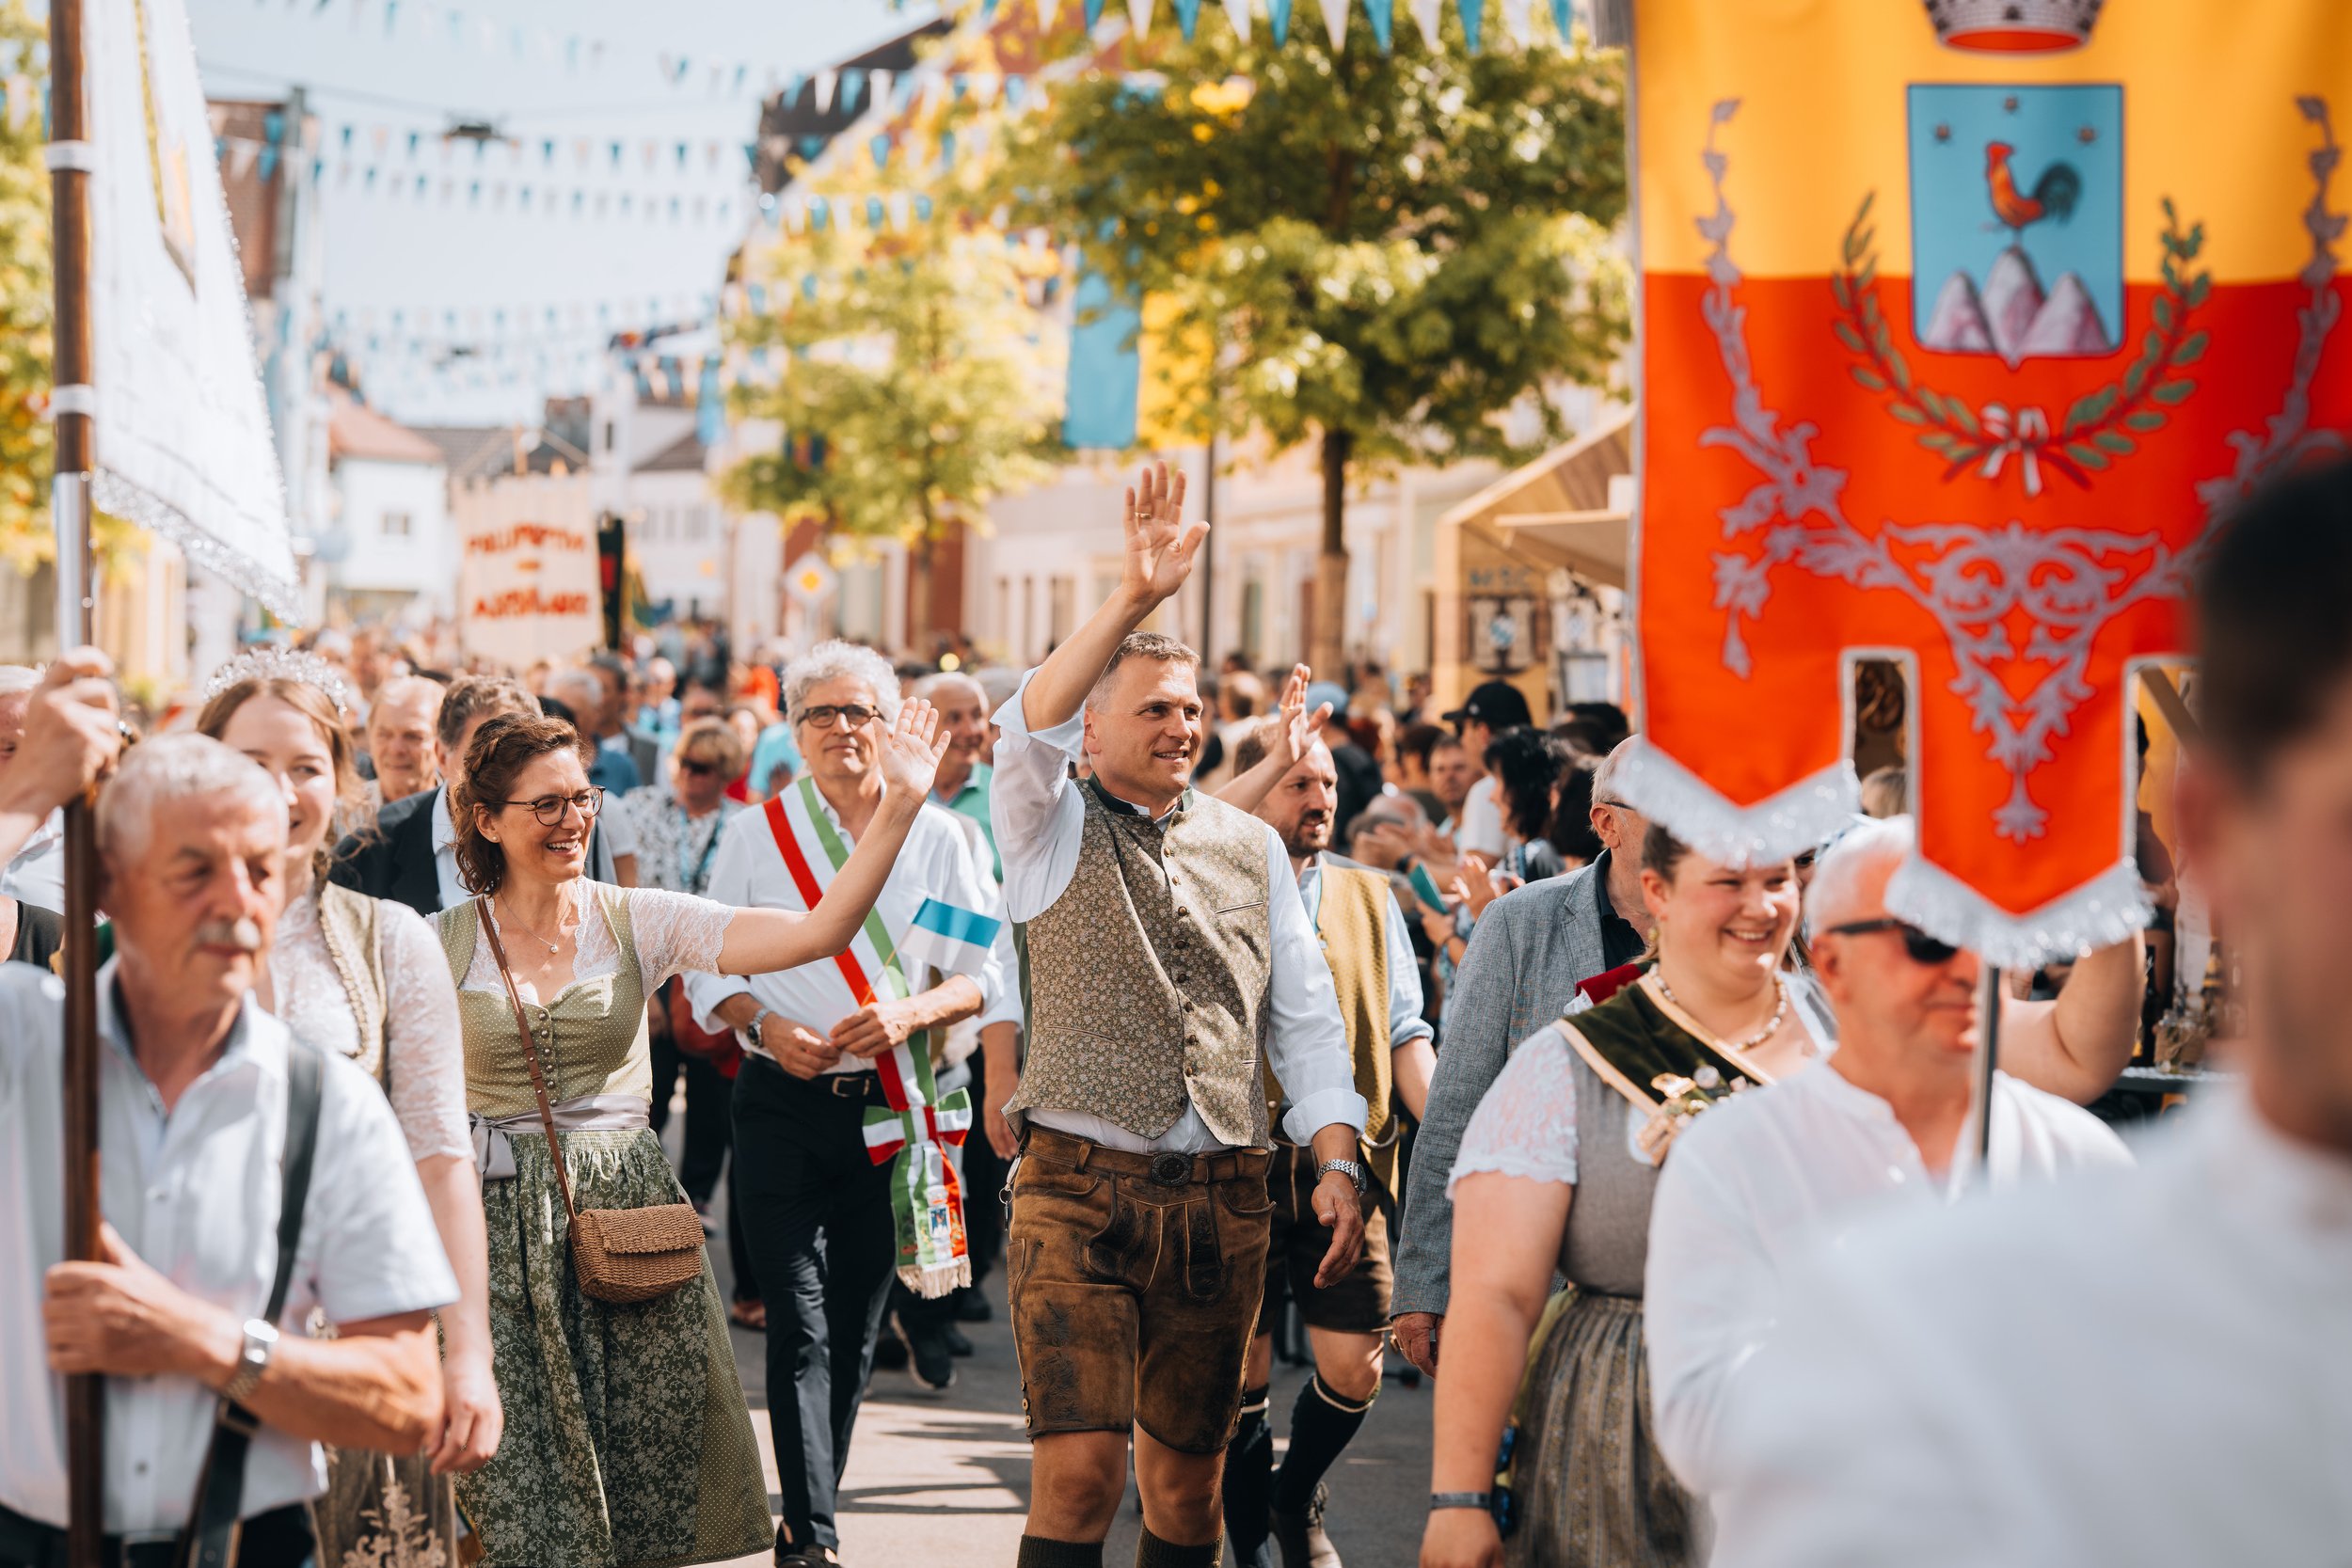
(1139, 17)
(1335, 21)
(1519, 23)
(1564, 19)
(1382, 15)
(882, 80)
(1426, 14)
(1237, 12)
(880, 148)
(1187, 17)
(984, 85)
(1047, 12)
(1093, 12)
(825, 80)
(1473, 15)
(1277, 15)
(853, 83)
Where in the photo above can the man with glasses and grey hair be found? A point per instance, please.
(817, 1208)
(1887, 1118)
(1531, 950)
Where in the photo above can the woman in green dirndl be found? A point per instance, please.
(627, 1444)
(1556, 1170)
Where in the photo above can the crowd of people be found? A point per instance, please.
(1254, 994)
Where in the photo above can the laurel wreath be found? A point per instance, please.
(2097, 428)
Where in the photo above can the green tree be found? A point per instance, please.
(26, 305)
(910, 356)
(1386, 248)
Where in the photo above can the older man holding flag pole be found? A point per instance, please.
(841, 1133)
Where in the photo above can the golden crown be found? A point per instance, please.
(2014, 26)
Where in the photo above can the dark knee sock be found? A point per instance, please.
(1039, 1552)
(1153, 1552)
(1248, 1476)
(1321, 1424)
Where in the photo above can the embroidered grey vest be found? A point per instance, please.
(347, 922)
(1148, 981)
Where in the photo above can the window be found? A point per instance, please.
(396, 524)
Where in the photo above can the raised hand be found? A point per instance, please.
(1296, 729)
(69, 738)
(1160, 544)
(909, 751)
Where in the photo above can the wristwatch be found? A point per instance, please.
(1482, 1501)
(1351, 1170)
(750, 1031)
(261, 1343)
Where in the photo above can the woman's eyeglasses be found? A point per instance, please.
(858, 714)
(1921, 947)
(549, 808)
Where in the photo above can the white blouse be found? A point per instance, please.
(421, 1031)
(675, 933)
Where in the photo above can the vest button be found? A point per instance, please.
(1182, 913)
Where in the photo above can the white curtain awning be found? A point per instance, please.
(1567, 508)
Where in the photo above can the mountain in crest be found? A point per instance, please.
(2011, 316)
(2067, 326)
(2012, 299)
(1956, 325)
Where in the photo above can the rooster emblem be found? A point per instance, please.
(2053, 194)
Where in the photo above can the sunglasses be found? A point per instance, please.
(698, 766)
(1921, 947)
(858, 715)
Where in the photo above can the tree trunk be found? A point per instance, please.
(1328, 652)
(921, 639)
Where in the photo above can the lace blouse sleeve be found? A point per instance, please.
(422, 1035)
(1526, 1124)
(676, 933)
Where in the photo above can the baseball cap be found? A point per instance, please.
(1327, 691)
(1498, 705)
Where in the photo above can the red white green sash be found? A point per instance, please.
(926, 1201)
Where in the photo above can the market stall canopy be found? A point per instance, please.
(184, 439)
(1569, 507)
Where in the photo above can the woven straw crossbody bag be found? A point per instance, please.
(618, 1255)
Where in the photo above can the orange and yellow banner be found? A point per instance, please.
(1964, 323)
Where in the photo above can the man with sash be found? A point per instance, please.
(1369, 949)
(840, 1133)
(1168, 964)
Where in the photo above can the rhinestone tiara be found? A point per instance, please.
(273, 662)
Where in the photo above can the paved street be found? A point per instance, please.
(943, 1478)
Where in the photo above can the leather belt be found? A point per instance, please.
(841, 1086)
(280, 1538)
(1165, 1168)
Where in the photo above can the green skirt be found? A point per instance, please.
(1593, 1491)
(628, 1443)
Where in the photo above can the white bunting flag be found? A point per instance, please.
(880, 82)
(1237, 12)
(1139, 16)
(1335, 21)
(1426, 14)
(1519, 23)
(984, 85)
(825, 81)
(1047, 12)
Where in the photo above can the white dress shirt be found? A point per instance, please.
(1482, 831)
(37, 872)
(1751, 1185)
(2123, 1369)
(1039, 817)
(194, 1192)
(748, 872)
(1406, 1025)
(445, 853)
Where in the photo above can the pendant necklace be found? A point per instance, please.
(554, 948)
(1772, 1024)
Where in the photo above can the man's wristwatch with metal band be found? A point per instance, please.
(261, 1343)
(1482, 1501)
(1352, 1169)
(750, 1031)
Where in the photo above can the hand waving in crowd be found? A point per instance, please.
(909, 751)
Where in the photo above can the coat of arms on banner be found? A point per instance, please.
(1962, 330)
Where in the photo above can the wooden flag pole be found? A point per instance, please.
(69, 158)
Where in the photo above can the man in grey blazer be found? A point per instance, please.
(1526, 957)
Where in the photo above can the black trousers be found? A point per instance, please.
(817, 1213)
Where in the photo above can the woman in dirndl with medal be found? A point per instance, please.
(627, 1442)
(1556, 1170)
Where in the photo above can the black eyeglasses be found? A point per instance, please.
(698, 767)
(1921, 947)
(549, 808)
(858, 714)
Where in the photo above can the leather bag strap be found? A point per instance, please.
(530, 1053)
(214, 1526)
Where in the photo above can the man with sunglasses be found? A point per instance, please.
(1887, 1118)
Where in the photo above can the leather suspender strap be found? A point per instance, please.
(213, 1526)
(530, 1053)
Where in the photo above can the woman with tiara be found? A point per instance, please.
(365, 977)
